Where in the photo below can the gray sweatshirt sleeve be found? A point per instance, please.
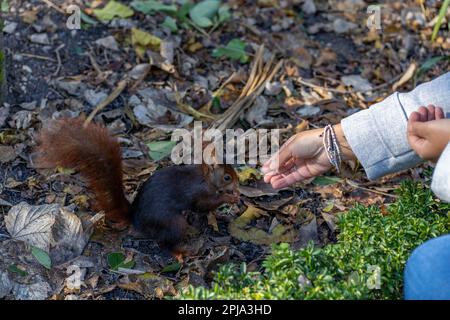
(377, 135)
(441, 176)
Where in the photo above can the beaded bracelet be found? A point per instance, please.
(332, 148)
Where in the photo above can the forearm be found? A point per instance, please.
(377, 135)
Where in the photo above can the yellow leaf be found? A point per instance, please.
(113, 9)
(142, 41)
(247, 174)
(240, 230)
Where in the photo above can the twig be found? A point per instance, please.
(59, 59)
(34, 56)
(94, 63)
(379, 87)
(189, 110)
(116, 92)
(260, 74)
(355, 185)
(54, 6)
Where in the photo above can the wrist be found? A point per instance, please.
(346, 150)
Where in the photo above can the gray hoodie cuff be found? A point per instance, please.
(378, 138)
(441, 176)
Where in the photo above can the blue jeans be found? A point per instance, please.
(427, 272)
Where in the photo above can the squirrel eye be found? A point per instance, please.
(227, 178)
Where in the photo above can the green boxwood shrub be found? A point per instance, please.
(371, 245)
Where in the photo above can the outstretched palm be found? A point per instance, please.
(300, 158)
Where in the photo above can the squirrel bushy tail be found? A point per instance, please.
(93, 152)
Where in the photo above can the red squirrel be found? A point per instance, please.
(157, 209)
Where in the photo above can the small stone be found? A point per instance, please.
(273, 88)
(343, 26)
(108, 43)
(308, 111)
(94, 98)
(17, 57)
(357, 82)
(29, 105)
(138, 70)
(27, 69)
(309, 7)
(10, 27)
(40, 38)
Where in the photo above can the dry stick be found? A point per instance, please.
(94, 63)
(254, 71)
(379, 87)
(54, 6)
(34, 56)
(59, 59)
(116, 92)
(207, 106)
(232, 114)
(245, 103)
(355, 185)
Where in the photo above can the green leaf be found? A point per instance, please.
(325, 180)
(42, 257)
(116, 260)
(234, 50)
(430, 63)
(183, 12)
(15, 269)
(173, 267)
(442, 13)
(87, 19)
(216, 102)
(113, 9)
(160, 149)
(203, 12)
(127, 265)
(171, 24)
(151, 6)
(5, 6)
(224, 13)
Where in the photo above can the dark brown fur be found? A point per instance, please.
(158, 207)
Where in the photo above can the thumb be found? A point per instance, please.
(417, 128)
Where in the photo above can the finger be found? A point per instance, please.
(281, 157)
(423, 114)
(272, 162)
(287, 180)
(431, 110)
(439, 113)
(414, 117)
(268, 177)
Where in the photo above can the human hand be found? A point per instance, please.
(428, 132)
(302, 157)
